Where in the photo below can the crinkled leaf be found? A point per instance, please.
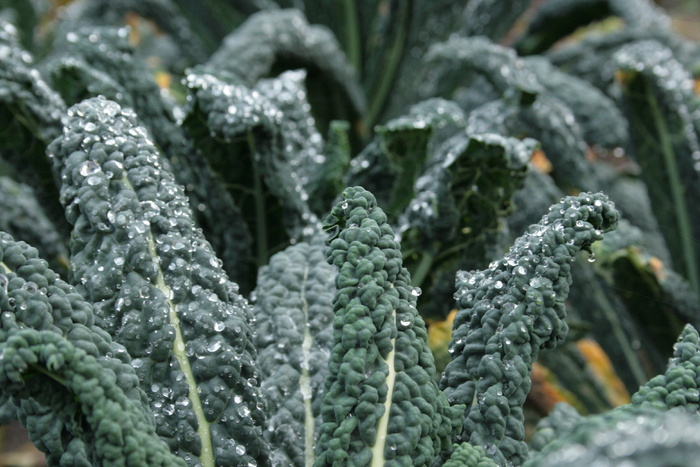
(592, 301)
(158, 288)
(319, 169)
(163, 13)
(49, 341)
(508, 312)
(561, 419)
(465, 454)
(100, 61)
(273, 41)
(294, 312)
(678, 386)
(666, 406)
(380, 396)
(598, 116)
(650, 437)
(75, 80)
(554, 125)
(461, 60)
(390, 165)
(112, 429)
(454, 219)
(591, 58)
(254, 155)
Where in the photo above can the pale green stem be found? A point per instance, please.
(179, 351)
(305, 379)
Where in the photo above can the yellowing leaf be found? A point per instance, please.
(540, 161)
(602, 369)
(546, 391)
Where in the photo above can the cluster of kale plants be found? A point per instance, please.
(239, 217)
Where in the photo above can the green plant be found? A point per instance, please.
(240, 265)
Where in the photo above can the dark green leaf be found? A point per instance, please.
(380, 394)
(70, 382)
(492, 18)
(179, 47)
(271, 42)
(100, 61)
(251, 151)
(508, 312)
(662, 110)
(158, 288)
(294, 312)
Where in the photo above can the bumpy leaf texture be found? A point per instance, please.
(276, 40)
(510, 311)
(381, 405)
(643, 438)
(294, 325)
(255, 155)
(465, 454)
(158, 289)
(73, 387)
(100, 61)
(659, 426)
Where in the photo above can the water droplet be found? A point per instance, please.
(591, 258)
(89, 168)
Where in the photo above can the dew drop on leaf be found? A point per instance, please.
(89, 168)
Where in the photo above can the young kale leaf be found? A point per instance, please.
(381, 405)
